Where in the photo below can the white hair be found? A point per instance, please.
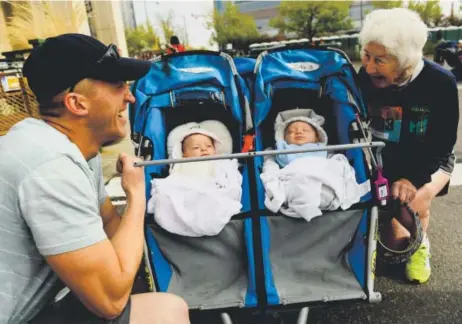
(401, 31)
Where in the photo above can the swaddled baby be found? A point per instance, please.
(304, 184)
(197, 198)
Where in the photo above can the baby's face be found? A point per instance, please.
(300, 133)
(196, 145)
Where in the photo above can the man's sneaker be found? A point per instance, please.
(418, 268)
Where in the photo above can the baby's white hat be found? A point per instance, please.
(210, 128)
(284, 118)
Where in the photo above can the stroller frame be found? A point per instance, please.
(370, 295)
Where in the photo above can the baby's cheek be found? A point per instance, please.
(290, 140)
(188, 153)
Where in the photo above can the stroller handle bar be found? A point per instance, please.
(252, 154)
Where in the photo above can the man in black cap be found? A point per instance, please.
(57, 221)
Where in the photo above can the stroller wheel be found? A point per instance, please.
(410, 220)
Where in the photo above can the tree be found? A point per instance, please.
(141, 38)
(310, 18)
(387, 4)
(430, 11)
(231, 26)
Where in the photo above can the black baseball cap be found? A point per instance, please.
(62, 61)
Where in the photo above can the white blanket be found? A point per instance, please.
(199, 203)
(309, 185)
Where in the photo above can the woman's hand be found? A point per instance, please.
(403, 190)
(422, 201)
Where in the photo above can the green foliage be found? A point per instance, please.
(140, 39)
(387, 4)
(430, 11)
(311, 18)
(232, 26)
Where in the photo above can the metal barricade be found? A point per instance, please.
(16, 99)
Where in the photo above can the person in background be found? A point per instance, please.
(175, 46)
(442, 47)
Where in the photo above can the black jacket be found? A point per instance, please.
(418, 122)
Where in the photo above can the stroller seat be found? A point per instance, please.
(327, 258)
(209, 271)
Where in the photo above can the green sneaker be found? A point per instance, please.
(418, 268)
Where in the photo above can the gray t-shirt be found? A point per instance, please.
(49, 204)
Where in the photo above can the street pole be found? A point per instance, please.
(185, 34)
(146, 12)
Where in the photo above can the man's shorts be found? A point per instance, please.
(70, 310)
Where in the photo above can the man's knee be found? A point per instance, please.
(158, 306)
(175, 302)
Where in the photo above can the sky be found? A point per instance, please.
(189, 15)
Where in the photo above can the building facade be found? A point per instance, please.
(128, 14)
(358, 11)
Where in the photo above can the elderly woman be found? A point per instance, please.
(413, 104)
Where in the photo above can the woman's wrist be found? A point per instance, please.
(439, 180)
(429, 190)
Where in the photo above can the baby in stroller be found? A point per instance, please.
(304, 184)
(197, 198)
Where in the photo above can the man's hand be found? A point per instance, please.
(132, 177)
(403, 190)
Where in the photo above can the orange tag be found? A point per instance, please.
(248, 143)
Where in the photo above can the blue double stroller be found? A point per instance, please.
(261, 261)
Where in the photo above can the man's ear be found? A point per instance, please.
(76, 104)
